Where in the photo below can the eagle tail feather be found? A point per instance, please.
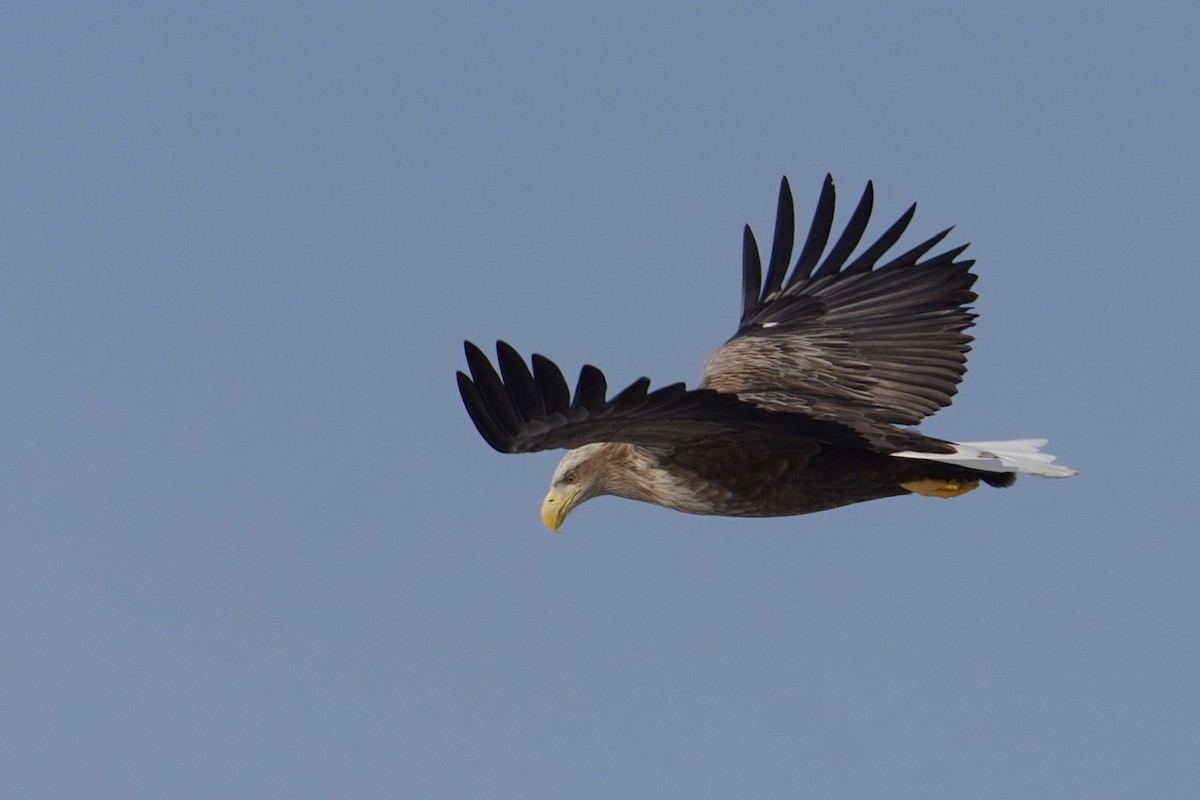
(1015, 455)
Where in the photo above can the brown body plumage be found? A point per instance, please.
(757, 479)
(798, 412)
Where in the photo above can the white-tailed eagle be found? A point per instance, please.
(804, 409)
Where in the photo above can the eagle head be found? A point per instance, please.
(580, 476)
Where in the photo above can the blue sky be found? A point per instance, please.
(253, 547)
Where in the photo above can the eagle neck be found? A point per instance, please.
(638, 473)
(633, 473)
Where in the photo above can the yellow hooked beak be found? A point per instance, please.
(556, 506)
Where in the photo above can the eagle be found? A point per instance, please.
(811, 405)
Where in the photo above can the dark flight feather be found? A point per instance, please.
(818, 235)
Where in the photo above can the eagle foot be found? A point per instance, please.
(941, 487)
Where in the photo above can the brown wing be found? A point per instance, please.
(855, 341)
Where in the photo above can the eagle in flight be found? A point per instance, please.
(806, 408)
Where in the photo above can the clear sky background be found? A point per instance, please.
(251, 545)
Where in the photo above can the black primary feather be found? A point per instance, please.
(851, 236)
(818, 235)
(785, 237)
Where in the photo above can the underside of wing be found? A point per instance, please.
(529, 407)
(840, 338)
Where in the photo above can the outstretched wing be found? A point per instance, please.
(522, 410)
(841, 338)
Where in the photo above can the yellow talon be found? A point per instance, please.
(941, 487)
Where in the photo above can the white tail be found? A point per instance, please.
(1016, 455)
